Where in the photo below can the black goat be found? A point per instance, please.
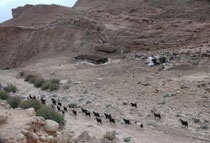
(63, 112)
(139, 124)
(128, 122)
(65, 109)
(99, 120)
(84, 110)
(96, 114)
(112, 120)
(88, 114)
(108, 116)
(58, 108)
(43, 100)
(157, 115)
(134, 105)
(34, 97)
(53, 101)
(30, 97)
(185, 123)
(142, 126)
(74, 112)
(59, 103)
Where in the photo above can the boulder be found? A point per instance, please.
(3, 119)
(84, 137)
(31, 112)
(32, 137)
(51, 126)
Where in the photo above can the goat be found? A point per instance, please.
(30, 97)
(43, 100)
(84, 110)
(99, 120)
(59, 103)
(128, 122)
(65, 109)
(52, 106)
(134, 105)
(96, 114)
(34, 97)
(139, 124)
(88, 114)
(74, 112)
(63, 112)
(108, 116)
(157, 115)
(53, 101)
(112, 120)
(185, 123)
(58, 108)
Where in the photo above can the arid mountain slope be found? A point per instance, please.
(40, 31)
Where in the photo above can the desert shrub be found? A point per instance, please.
(28, 77)
(22, 73)
(10, 88)
(38, 83)
(45, 85)
(50, 113)
(54, 87)
(30, 104)
(14, 101)
(4, 95)
(32, 80)
(110, 135)
(55, 81)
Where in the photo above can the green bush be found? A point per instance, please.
(38, 83)
(30, 104)
(45, 86)
(32, 80)
(28, 77)
(49, 113)
(14, 101)
(110, 135)
(22, 73)
(4, 95)
(10, 88)
(55, 81)
(54, 87)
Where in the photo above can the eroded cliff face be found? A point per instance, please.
(42, 30)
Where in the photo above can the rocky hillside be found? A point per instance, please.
(41, 31)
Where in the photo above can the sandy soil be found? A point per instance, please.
(127, 80)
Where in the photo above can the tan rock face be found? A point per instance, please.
(31, 112)
(51, 126)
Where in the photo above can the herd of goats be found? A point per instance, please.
(63, 109)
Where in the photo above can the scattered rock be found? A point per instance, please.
(195, 120)
(84, 137)
(149, 123)
(169, 95)
(3, 119)
(50, 139)
(140, 115)
(31, 112)
(51, 126)
(205, 127)
(88, 102)
(32, 137)
(127, 139)
(73, 104)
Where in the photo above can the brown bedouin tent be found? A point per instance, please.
(92, 59)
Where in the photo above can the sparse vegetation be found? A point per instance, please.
(45, 85)
(22, 73)
(55, 81)
(38, 83)
(10, 88)
(28, 77)
(49, 113)
(110, 135)
(4, 95)
(54, 86)
(30, 104)
(32, 80)
(14, 101)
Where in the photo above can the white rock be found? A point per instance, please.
(50, 139)
(31, 112)
(63, 81)
(20, 137)
(51, 126)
